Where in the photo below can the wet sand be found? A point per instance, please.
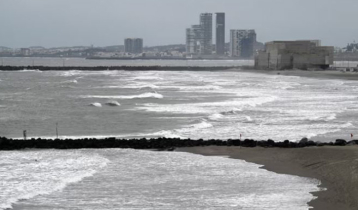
(328, 74)
(335, 167)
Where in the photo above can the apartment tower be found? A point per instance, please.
(220, 33)
(206, 23)
(133, 45)
(242, 43)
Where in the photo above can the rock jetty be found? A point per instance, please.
(126, 68)
(154, 143)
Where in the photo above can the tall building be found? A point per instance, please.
(206, 23)
(133, 45)
(220, 33)
(242, 43)
(193, 39)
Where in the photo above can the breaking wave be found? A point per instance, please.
(70, 82)
(215, 116)
(30, 70)
(34, 173)
(232, 112)
(144, 95)
(324, 118)
(195, 88)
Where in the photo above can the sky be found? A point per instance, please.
(56, 23)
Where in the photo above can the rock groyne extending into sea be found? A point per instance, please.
(154, 143)
(126, 68)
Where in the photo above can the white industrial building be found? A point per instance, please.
(294, 55)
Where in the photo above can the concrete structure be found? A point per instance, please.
(206, 43)
(25, 51)
(294, 55)
(133, 45)
(242, 43)
(220, 33)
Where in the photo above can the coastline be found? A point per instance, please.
(326, 74)
(336, 168)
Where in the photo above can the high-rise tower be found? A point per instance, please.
(206, 23)
(220, 33)
(242, 43)
(133, 45)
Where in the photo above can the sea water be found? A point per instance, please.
(186, 104)
(155, 103)
(136, 179)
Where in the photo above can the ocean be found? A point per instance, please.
(212, 104)
(182, 104)
(135, 179)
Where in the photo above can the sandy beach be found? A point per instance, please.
(328, 74)
(335, 167)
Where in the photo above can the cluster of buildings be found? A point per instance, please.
(38, 51)
(199, 39)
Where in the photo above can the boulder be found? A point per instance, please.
(340, 142)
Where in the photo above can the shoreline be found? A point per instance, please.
(335, 167)
(324, 74)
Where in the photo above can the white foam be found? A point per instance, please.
(70, 82)
(232, 112)
(30, 70)
(138, 179)
(26, 174)
(70, 73)
(147, 78)
(141, 86)
(209, 108)
(248, 119)
(195, 88)
(141, 96)
(216, 116)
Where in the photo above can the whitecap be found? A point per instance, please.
(30, 70)
(248, 119)
(141, 96)
(215, 116)
(232, 112)
(70, 73)
(70, 82)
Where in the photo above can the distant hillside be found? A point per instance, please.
(4, 48)
(36, 47)
(114, 48)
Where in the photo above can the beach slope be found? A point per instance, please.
(336, 167)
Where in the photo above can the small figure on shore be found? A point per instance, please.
(24, 132)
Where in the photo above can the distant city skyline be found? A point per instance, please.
(60, 23)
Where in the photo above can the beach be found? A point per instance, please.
(327, 74)
(335, 167)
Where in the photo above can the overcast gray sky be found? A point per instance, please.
(52, 23)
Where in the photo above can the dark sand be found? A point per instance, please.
(335, 167)
(328, 74)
